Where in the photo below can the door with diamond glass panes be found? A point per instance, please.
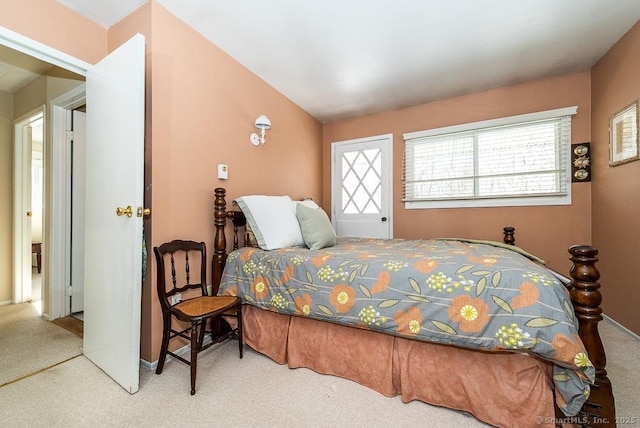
(361, 187)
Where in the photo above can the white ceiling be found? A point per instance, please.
(342, 58)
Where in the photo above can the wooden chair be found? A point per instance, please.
(183, 263)
(36, 247)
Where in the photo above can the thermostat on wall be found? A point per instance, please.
(223, 171)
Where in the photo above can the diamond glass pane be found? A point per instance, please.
(361, 181)
(348, 207)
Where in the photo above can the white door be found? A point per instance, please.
(22, 212)
(361, 187)
(113, 244)
(78, 145)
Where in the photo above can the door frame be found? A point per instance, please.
(53, 275)
(43, 52)
(388, 173)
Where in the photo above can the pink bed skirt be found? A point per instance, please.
(503, 389)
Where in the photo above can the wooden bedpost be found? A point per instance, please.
(238, 220)
(586, 298)
(220, 241)
(509, 235)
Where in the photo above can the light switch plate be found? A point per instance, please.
(223, 171)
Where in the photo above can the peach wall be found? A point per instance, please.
(545, 231)
(54, 25)
(203, 106)
(616, 203)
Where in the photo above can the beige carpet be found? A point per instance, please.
(623, 356)
(41, 344)
(252, 392)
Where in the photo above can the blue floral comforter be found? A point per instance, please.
(467, 294)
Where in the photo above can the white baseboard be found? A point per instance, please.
(621, 327)
(147, 365)
(7, 302)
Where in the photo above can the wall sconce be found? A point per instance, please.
(263, 123)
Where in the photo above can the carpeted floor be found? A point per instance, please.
(41, 343)
(253, 392)
(623, 354)
(232, 392)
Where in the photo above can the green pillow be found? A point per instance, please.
(315, 226)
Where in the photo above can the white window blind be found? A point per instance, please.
(520, 157)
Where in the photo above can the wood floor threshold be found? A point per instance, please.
(39, 371)
(70, 323)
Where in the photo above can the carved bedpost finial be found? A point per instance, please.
(220, 241)
(586, 299)
(509, 235)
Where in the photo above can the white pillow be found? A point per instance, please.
(272, 219)
(309, 203)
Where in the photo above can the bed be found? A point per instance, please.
(477, 326)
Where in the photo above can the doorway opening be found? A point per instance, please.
(63, 72)
(77, 139)
(37, 207)
(67, 221)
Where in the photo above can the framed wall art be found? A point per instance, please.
(581, 162)
(623, 135)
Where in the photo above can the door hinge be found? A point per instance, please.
(69, 135)
(68, 291)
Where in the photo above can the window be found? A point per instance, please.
(519, 160)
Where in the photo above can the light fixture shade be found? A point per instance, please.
(263, 122)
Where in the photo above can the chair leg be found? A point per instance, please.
(239, 314)
(194, 355)
(166, 331)
(39, 261)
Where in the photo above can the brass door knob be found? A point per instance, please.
(124, 211)
(29, 214)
